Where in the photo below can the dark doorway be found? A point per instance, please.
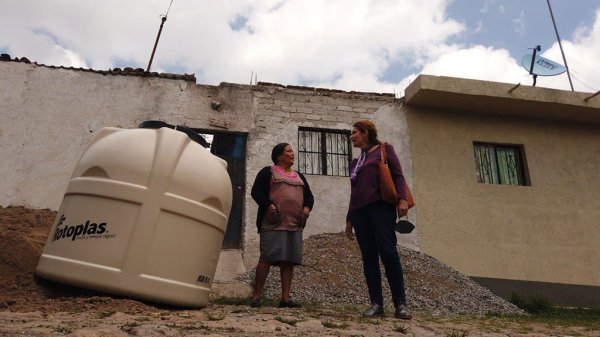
(231, 147)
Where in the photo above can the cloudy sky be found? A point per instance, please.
(375, 46)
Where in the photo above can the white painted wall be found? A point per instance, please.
(48, 115)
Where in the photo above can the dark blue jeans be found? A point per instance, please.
(374, 229)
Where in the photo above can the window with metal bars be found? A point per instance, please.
(324, 151)
(500, 164)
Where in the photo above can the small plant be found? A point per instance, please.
(534, 304)
(187, 327)
(334, 325)
(105, 314)
(403, 329)
(457, 333)
(373, 321)
(142, 319)
(63, 329)
(215, 315)
(129, 326)
(231, 301)
(289, 321)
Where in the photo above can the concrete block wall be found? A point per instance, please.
(281, 110)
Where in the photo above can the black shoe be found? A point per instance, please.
(289, 304)
(255, 302)
(402, 312)
(375, 310)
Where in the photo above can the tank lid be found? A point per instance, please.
(194, 136)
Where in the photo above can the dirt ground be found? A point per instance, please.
(34, 307)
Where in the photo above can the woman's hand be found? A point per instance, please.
(402, 208)
(272, 214)
(349, 233)
(306, 212)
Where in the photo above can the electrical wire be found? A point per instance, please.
(580, 81)
(169, 8)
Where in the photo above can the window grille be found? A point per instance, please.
(324, 151)
(500, 164)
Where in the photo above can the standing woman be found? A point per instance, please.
(373, 219)
(284, 203)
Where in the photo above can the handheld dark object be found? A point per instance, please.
(404, 227)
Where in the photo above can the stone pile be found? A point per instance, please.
(332, 277)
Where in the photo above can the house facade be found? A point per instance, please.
(535, 231)
(508, 185)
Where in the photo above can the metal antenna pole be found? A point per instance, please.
(560, 45)
(163, 19)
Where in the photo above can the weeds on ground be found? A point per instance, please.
(285, 320)
(534, 304)
(231, 301)
(215, 315)
(192, 327)
(105, 314)
(334, 325)
(367, 320)
(403, 329)
(129, 326)
(143, 319)
(63, 329)
(541, 310)
(458, 333)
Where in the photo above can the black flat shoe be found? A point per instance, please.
(289, 304)
(375, 310)
(255, 302)
(402, 312)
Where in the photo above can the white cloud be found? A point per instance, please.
(479, 27)
(477, 62)
(486, 6)
(326, 43)
(316, 41)
(582, 58)
(519, 23)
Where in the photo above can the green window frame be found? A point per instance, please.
(500, 164)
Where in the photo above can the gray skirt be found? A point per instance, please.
(281, 246)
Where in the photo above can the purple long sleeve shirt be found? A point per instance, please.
(365, 188)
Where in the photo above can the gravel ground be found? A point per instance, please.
(332, 277)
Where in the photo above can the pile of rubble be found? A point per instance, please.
(332, 277)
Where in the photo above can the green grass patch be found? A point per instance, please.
(533, 304)
(542, 310)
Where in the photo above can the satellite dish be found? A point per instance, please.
(541, 66)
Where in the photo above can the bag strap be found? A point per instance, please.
(383, 154)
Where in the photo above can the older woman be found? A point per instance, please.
(284, 203)
(373, 219)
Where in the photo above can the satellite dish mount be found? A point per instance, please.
(535, 50)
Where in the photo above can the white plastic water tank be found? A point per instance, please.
(144, 215)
